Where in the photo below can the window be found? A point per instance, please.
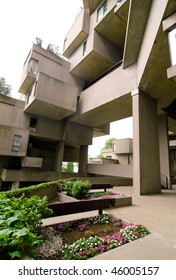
(16, 145)
(33, 124)
(101, 11)
(33, 66)
(31, 94)
(84, 47)
(172, 45)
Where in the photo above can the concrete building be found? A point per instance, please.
(120, 153)
(118, 61)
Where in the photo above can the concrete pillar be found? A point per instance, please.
(15, 185)
(146, 163)
(59, 158)
(83, 157)
(164, 151)
(60, 150)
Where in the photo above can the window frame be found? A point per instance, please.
(32, 66)
(16, 144)
(101, 10)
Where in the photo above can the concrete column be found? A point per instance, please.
(146, 163)
(59, 158)
(164, 151)
(83, 156)
(15, 185)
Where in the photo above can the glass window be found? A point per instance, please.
(16, 145)
(33, 124)
(33, 66)
(101, 10)
(172, 45)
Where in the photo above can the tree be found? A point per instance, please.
(108, 143)
(53, 49)
(38, 41)
(5, 88)
(69, 167)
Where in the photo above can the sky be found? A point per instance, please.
(21, 22)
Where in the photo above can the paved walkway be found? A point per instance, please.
(156, 212)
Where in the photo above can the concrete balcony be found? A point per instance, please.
(27, 83)
(123, 146)
(99, 52)
(28, 175)
(113, 24)
(77, 34)
(52, 98)
(32, 162)
(91, 5)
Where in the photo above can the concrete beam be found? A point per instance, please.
(138, 16)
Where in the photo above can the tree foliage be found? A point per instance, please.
(5, 88)
(109, 143)
(69, 167)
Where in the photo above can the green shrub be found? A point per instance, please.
(20, 224)
(29, 191)
(68, 185)
(80, 189)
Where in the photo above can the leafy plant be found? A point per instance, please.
(20, 224)
(133, 232)
(5, 88)
(32, 190)
(38, 41)
(80, 189)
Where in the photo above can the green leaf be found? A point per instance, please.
(12, 219)
(20, 232)
(15, 254)
(4, 233)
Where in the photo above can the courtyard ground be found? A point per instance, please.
(156, 212)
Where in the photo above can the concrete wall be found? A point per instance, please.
(11, 113)
(97, 45)
(56, 92)
(96, 42)
(116, 170)
(13, 122)
(71, 154)
(157, 10)
(79, 134)
(44, 131)
(123, 146)
(78, 33)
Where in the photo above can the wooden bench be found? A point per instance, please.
(98, 186)
(66, 208)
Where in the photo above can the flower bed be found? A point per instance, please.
(86, 238)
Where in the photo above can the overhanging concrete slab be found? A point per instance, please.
(138, 16)
(106, 101)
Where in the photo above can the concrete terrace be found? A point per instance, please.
(157, 212)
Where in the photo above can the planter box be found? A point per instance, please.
(121, 201)
(115, 202)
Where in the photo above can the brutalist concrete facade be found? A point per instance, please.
(117, 62)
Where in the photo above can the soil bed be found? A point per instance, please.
(85, 238)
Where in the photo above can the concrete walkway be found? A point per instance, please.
(156, 212)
